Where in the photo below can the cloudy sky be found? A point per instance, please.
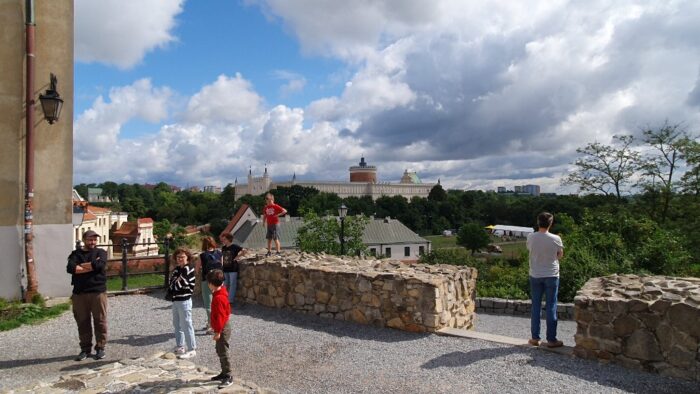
(477, 93)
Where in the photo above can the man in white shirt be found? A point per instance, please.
(545, 251)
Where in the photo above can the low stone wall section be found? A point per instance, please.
(643, 322)
(417, 298)
(500, 306)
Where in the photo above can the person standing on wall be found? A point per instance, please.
(210, 259)
(271, 214)
(230, 252)
(545, 251)
(87, 266)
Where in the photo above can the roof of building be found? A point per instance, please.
(377, 232)
(145, 220)
(88, 217)
(127, 229)
(500, 227)
(236, 217)
(94, 209)
(389, 231)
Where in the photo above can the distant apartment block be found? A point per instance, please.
(533, 190)
(212, 189)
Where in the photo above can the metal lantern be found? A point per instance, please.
(51, 102)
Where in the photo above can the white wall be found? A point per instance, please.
(52, 245)
(11, 258)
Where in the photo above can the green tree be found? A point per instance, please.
(605, 168)
(322, 234)
(473, 237)
(659, 168)
(437, 193)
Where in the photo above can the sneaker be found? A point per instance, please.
(179, 350)
(219, 376)
(187, 355)
(552, 344)
(279, 253)
(82, 356)
(268, 254)
(100, 354)
(533, 342)
(226, 381)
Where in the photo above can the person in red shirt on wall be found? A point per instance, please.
(221, 325)
(271, 214)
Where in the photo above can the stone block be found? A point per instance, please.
(642, 345)
(625, 325)
(681, 358)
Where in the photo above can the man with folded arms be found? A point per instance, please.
(87, 266)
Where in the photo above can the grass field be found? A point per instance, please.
(135, 281)
(511, 250)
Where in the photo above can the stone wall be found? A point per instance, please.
(644, 322)
(418, 298)
(500, 306)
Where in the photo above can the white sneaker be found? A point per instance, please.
(179, 350)
(186, 355)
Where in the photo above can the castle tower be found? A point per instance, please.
(363, 172)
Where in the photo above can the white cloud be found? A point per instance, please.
(227, 99)
(121, 32)
(479, 94)
(97, 129)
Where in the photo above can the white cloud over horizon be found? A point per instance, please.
(120, 32)
(479, 94)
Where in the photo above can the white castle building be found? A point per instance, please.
(363, 182)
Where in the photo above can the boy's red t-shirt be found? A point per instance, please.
(271, 211)
(220, 309)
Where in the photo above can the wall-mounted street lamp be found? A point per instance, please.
(342, 213)
(51, 102)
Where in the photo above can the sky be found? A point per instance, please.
(477, 94)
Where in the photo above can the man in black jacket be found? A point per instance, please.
(88, 267)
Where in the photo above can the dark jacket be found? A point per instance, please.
(94, 281)
(210, 261)
(182, 283)
(230, 253)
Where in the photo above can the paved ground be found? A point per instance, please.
(297, 353)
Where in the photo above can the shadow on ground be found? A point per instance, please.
(337, 328)
(613, 376)
(33, 361)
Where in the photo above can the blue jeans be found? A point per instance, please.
(206, 299)
(550, 288)
(182, 321)
(230, 281)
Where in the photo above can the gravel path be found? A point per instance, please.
(297, 353)
(519, 327)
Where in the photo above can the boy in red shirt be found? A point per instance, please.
(220, 324)
(271, 214)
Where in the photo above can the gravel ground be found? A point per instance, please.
(296, 353)
(519, 327)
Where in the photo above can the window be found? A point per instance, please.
(407, 251)
(387, 252)
(421, 250)
(373, 251)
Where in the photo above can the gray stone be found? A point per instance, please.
(642, 345)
